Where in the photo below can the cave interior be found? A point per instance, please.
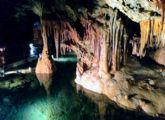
(119, 46)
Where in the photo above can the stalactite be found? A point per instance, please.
(152, 35)
(62, 32)
(151, 32)
(56, 39)
(111, 39)
(157, 31)
(48, 28)
(103, 42)
(114, 42)
(161, 5)
(93, 35)
(71, 33)
(116, 46)
(119, 57)
(109, 48)
(88, 30)
(106, 45)
(163, 36)
(145, 28)
(36, 36)
(64, 48)
(125, 44)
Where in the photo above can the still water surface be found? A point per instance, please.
(66, 102)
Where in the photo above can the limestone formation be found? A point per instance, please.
(99, 32)
(159, 56)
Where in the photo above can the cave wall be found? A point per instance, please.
(100, 38)
(100, 35)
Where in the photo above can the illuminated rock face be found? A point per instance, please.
(125, 90)
(159, 56)
(100, 38)
(44, 71)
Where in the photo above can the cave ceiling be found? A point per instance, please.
(136, 10)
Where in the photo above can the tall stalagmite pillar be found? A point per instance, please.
(45, 68)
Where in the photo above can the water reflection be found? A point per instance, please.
(102, 110)
(46, 81)
(2, 56)
(65, 103)
(99, 100)
(108, 110)
(2, 61)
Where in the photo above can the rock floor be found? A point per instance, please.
(134, 87)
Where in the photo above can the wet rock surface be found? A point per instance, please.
(134, 87)
(159, 56)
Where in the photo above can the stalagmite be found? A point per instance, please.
(45, 67)
(135, 45)
(103, 64)
(106, 45)
(96, 47)
(44, 71)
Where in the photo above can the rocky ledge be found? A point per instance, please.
(133, 87)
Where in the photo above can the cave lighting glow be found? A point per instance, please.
(65, 59)
(32, 111)
(56, 107)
